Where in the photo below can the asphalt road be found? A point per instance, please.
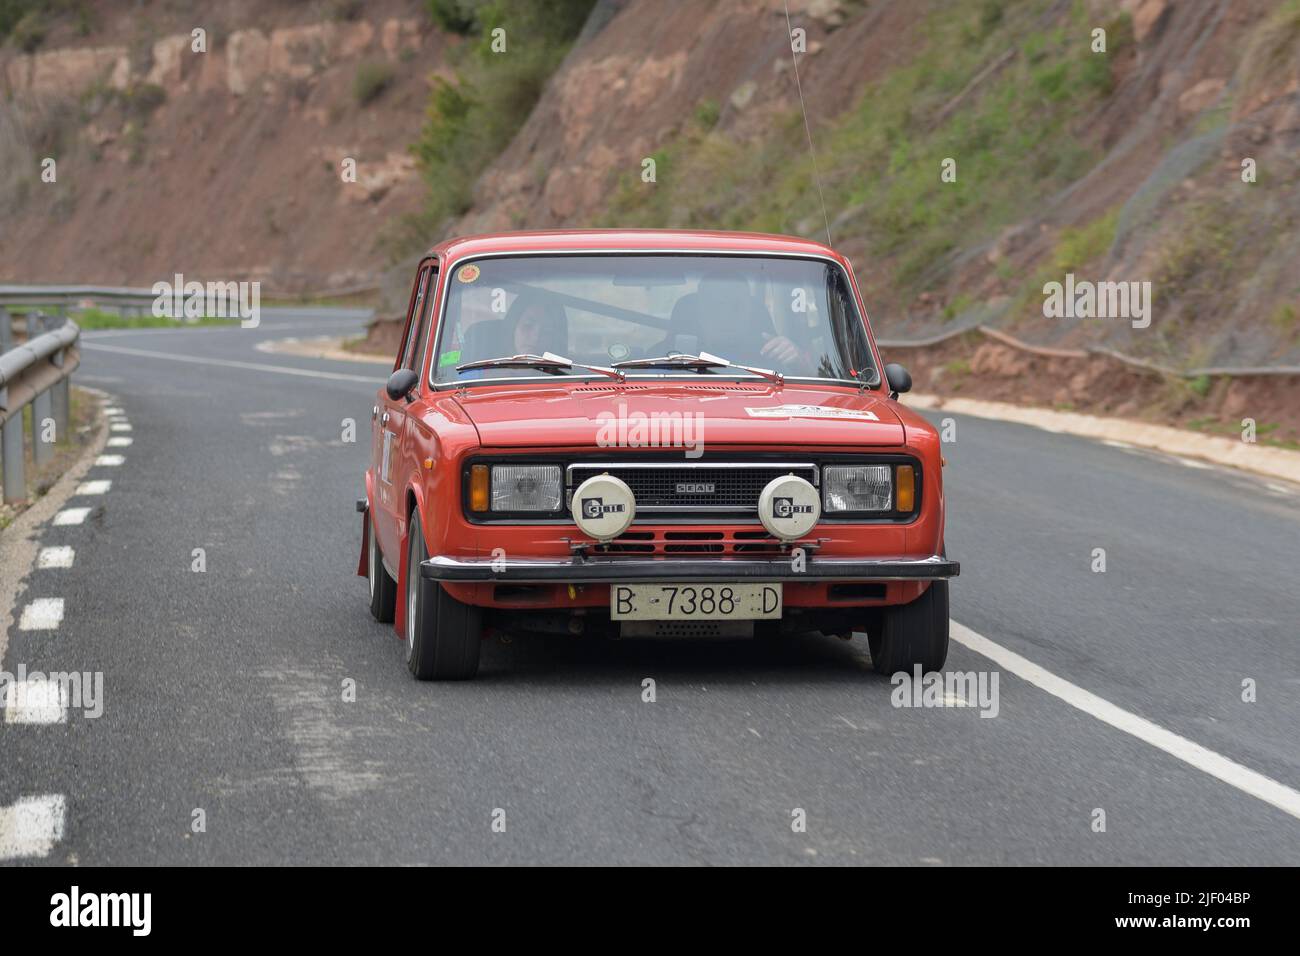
(224, 689)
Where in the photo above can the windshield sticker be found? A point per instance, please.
(468, 273)
(618, 351)
(812, 411)
(451, 358)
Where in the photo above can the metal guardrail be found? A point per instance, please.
(64, 297)
(37, 373)
(138, 301)
(1002, 337)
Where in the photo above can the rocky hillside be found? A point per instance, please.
(1172, 157)
(969, 152)
(229, 161)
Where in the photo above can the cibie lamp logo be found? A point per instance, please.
(595, 507)
(786, 508)
(194, 300)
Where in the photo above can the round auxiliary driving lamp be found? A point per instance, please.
(603, 507)
(789, 507)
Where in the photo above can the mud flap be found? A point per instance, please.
(399, 612)
(363, 569)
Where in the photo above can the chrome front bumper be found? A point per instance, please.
(605, 570)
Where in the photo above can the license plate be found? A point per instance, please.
(700, 602)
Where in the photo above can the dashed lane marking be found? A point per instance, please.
(60, 557)
(43, 614)
(111, 461)
(71, 516)
(35, 702)
(98, 487)
(120, 441)
(32, 826)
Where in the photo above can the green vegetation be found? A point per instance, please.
(707, 113)
(960, 303)
(371, 81)
(1075, 248)
(26, 22)
(138, 100)
(454, 16)
(1200, 385)
(470, 120)
(1285, 317)
(1200, 260)
(984, 84)
(1233, 430)
(90, 319)
(1272, 47)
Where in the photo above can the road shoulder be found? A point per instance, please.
(1259, 459)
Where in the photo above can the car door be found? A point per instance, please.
(390, 425)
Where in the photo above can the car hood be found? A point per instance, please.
(676, 415)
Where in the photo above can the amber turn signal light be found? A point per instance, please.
(905, 488)
(478, 488)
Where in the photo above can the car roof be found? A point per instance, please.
(628, 240)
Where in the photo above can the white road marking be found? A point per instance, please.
(71, 516)
(43, 614)
(60, 557)
(1280, 489)
(98, 487)
(113, 410)
(228, 363)
(120, 441)
(35, 702)
(110, 460)
(1216, 765)
(119, 427)
(1192, 463)
(32, 826)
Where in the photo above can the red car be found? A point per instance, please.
(649, 434)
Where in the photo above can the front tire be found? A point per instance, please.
(912, 634)
(443, 635)
(383, 589)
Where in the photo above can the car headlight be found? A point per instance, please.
(526, 488)
(857, 488)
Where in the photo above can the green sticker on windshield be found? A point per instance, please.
(451, 358)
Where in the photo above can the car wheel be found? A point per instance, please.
(443, 636)
(912, 634)
(383, 589)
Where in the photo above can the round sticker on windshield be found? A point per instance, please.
(618, 351)
(468, 273)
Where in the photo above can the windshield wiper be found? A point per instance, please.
(547, 362)
(700, 363)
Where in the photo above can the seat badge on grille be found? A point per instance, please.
(695, 487)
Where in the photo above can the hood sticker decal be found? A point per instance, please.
(812, 411)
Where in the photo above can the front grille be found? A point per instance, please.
(694, 489)
(729, 542)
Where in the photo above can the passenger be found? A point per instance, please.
(722, 317)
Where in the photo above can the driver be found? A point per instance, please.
(533, 325)
(537, 325)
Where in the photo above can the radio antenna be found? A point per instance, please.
(803, 107)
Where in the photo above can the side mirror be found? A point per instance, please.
(401, 382)
(899, 379)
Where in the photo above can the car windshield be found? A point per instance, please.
(794, 316)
